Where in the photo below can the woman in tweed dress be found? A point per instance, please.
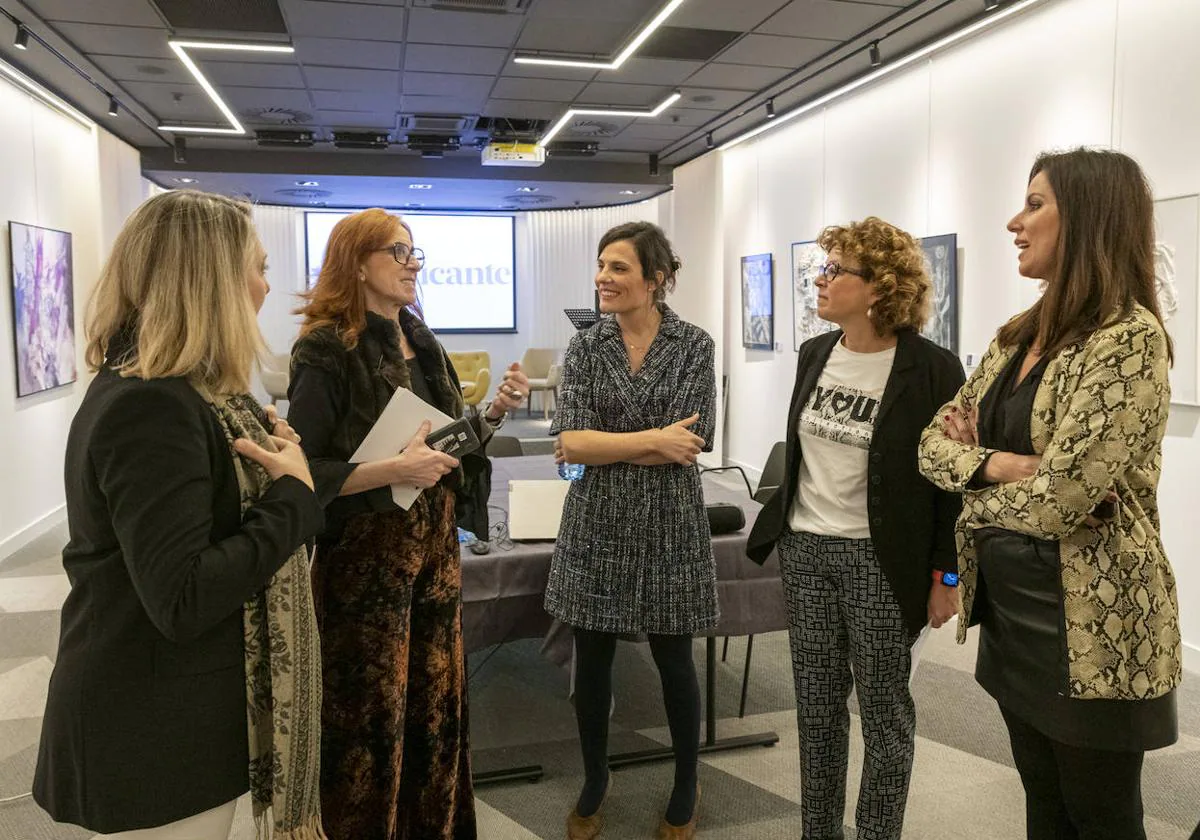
(634, 553)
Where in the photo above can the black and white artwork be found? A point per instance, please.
(807, 259)
(941, 256)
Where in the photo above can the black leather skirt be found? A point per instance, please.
(1023, 652)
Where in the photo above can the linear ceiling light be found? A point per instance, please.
(629, 50)
(886, 70)
(607, 112)
(181, 50)
(44, 95)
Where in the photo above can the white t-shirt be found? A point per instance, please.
(836, 427)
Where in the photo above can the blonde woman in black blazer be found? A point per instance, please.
(866, 545)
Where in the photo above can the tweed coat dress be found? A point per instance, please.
(634, 551)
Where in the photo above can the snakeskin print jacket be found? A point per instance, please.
(1098, 422)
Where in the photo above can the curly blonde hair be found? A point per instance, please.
(895, 267)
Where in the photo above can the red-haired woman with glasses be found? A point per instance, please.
(395, 758)
(866, 544)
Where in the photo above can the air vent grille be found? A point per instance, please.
(495, 7)
(436, 123)
(260, 16)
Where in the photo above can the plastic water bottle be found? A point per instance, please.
(570, 472)
(465, 537)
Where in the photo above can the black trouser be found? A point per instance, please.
(1076, 793)
(593, 700)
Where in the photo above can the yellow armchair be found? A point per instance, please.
(474, 374)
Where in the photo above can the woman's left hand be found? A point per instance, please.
(943, 604)
(960, 424)
(280, 427)
(512, 389)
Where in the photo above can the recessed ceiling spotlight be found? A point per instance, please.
(308, 183)
(420, 186)
(187, 180)
(527, 189)
(630, 192)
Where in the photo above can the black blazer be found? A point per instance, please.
(146, 718)
(911, 521)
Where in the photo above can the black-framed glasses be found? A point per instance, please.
(402, 253)
(831, 270)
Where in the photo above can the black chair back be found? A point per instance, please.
(503, 446)
(772, 474)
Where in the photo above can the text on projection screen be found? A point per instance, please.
(468, 280)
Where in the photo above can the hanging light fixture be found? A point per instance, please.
(21, 42)
(771, 109)
(873, 52)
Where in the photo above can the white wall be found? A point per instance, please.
(945, 146)
(555, 259)
(54, 173)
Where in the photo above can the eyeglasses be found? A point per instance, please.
(403, 252)
(831, 270)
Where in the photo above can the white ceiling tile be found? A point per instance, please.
(342, 52)
(635, 96)
(774, 51)
(740, 16)
(736, 76)
(341, 100)
(383, 120)
(176, 103)
(141, 42)
(344, 20)
(341, 78)
(433, 58)
(601, 38)
(549, 90)
(415, 103)
(125, 69)
(651, 71)
(520, 108)
(222, 73)
(436, 26)
(710, 99)
(128, 12)
(825, 19)
(255, 99)
(447, 84)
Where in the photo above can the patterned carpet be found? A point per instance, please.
(963, 786)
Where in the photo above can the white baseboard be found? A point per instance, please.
(15, 542)
(753, 473)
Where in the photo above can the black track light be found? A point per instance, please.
(708, 141)
(114, 107)
(873, 52)
(180, 149)
(653, 165)
(770, 109)
(21, 42)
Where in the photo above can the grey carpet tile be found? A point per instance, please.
(29, 634)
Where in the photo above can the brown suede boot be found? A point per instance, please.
(666, 831)
(588, 828)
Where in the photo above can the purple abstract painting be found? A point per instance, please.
(43, 307)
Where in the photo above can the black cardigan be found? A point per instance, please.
(145, 722)
(911, 521)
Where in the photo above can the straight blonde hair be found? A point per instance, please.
(175, 286)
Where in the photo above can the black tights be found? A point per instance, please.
(593, 700)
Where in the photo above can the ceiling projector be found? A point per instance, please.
(513, 154)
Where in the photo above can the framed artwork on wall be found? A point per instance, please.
(807, 259)
(758, 302)
(43, 297)
(941, 256)
(1177, 282)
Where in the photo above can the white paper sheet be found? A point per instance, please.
(393, 430)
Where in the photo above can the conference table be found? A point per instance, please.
(503, 594)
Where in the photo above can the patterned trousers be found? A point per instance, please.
(846, 631)
(395, 757)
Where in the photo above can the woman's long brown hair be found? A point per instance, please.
(1105, 250)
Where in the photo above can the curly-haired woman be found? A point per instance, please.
(866, 544)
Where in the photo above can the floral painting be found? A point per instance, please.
(43, 307)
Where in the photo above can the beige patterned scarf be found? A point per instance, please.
(283, 663)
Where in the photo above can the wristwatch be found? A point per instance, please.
(945, 578)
